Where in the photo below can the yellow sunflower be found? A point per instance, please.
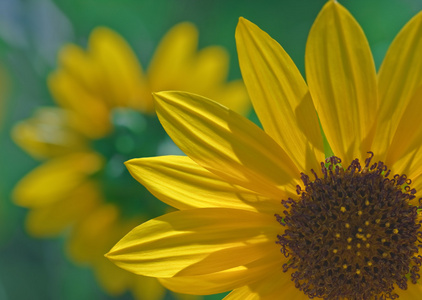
(105, 115)
(263, 212)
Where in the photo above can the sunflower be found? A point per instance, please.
(265, 213)
(105, 115)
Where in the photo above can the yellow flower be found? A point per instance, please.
(260, 212)
(105, 116)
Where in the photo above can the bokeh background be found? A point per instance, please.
(32, 32)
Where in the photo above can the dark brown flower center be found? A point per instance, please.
(352, 233)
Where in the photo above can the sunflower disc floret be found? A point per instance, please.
(352, 233)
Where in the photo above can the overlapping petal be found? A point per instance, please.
(279, 95)
(183, 184)
(275, 285)
(399, 78)
(341, 76)
(196, 242)
(226, 143)
(405, 153)
(227, 279)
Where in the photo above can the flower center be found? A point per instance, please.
(134, 135)
(352, 233)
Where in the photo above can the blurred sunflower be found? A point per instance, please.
(105, 115)
(346, 227)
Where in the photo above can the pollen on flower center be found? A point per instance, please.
(352, 233)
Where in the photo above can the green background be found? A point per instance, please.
(32, 31)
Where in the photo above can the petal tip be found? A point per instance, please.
(129, 162)
(243, 22)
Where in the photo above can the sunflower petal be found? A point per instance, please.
(196, 242)
(233, 95)
(399, 78)
(226, 143)
(207, 75)
(48, 133)
(120, 69)
(111, 278)
(176, 50)
(279, 95)
(209, 69)
(413, 291)
(147, 288)
(84, 244)
(342, 81)
(77, 62)
(55, 179)
(70, 94)
(180, 182)
(52, 219)
(275, 286)
(411, 165)
(405, 152)
(223, 281)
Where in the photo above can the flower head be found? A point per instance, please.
(263, 212)
(105, 115)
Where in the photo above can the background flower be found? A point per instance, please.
(105, 116)
(31, 34)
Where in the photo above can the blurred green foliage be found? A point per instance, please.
(32, 31)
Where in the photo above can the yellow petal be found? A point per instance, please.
(48, 133)
(414, 291)
(123, 79)
(225, 280)
(226, 143)
(232, 95)
(411, 165)
(207, 77)
(209, 69)
(342, 81)
(407, 140)
(52, 219)
(147, 288)
(399, 77)
(277, 285)
(78, 63)
(55, 179)
(69, 94)
(168, 66)
(91, 237)
(280, 96)
(177, 65)
(111, 278)
(180, 182)
(186, 297)
(195, 242)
